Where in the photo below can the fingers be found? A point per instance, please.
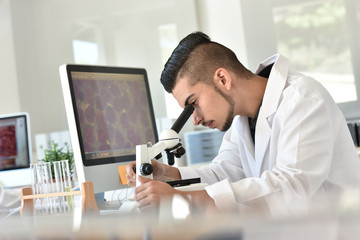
(144, 179)
(131, 176)
(142, 195)
(159, 170)
(150, 192)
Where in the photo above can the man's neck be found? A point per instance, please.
(250, 95)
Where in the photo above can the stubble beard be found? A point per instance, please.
(230, 115)
(229, 118)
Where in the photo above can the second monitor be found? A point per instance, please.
(109, 112)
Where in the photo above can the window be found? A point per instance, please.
(85, 52)
(321, 38)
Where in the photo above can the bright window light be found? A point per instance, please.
(315, 36)
(85, 52)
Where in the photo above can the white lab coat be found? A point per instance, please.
(303, 153)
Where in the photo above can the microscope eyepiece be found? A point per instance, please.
(182, 119)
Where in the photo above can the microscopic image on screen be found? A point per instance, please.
(113, 112)
(8, 149)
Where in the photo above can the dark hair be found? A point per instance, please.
(197, 57)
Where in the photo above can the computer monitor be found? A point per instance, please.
(109, 112)
(15, 150)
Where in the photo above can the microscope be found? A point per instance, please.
(169, 143)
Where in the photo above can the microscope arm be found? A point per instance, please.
(168, 139)
(169, 142)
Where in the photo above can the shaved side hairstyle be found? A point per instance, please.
(197, 58)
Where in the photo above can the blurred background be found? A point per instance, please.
(320, 37)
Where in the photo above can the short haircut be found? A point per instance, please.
(197, 58)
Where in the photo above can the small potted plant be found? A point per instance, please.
(55, 153)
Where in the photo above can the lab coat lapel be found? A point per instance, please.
(262, 139)
(246, 138)
(273, 91)
(248, 150)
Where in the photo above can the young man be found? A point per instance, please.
(287, 143)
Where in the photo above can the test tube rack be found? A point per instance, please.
(88, 202)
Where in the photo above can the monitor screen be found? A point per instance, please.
(15, 149)
(14, 142)
(109, 112)
(113, 114)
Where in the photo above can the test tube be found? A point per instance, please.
(34, 184)
(40, 189)
(67, 183)
(59, 185)
(48, 185)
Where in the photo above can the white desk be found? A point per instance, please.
(213, 226)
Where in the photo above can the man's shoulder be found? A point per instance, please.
(306, 86)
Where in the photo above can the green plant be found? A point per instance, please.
(56, 153)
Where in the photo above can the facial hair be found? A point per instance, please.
(230, 114)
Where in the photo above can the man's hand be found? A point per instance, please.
(131, 175)
(151, 192)
(158, 168)
(161, 172)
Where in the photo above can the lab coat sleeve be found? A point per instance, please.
(222, 194)
(226, 165)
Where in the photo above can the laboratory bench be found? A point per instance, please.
(204, 226)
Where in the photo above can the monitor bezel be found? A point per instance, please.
(105, 69)
(24, 115)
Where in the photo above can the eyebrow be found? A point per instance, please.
(188, 98)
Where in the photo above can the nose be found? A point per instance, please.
(196, 118)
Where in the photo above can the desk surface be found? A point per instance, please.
(216, 226)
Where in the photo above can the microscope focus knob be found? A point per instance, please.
(146, 169)
(179, 152)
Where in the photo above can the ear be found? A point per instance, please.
(222, 78)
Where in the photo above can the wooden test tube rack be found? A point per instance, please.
(88, 202)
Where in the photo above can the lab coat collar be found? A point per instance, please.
(276, 83)
(272, 95)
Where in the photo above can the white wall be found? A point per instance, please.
(252, 40)
(9, 97)
(223, 23)
(36, 38)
